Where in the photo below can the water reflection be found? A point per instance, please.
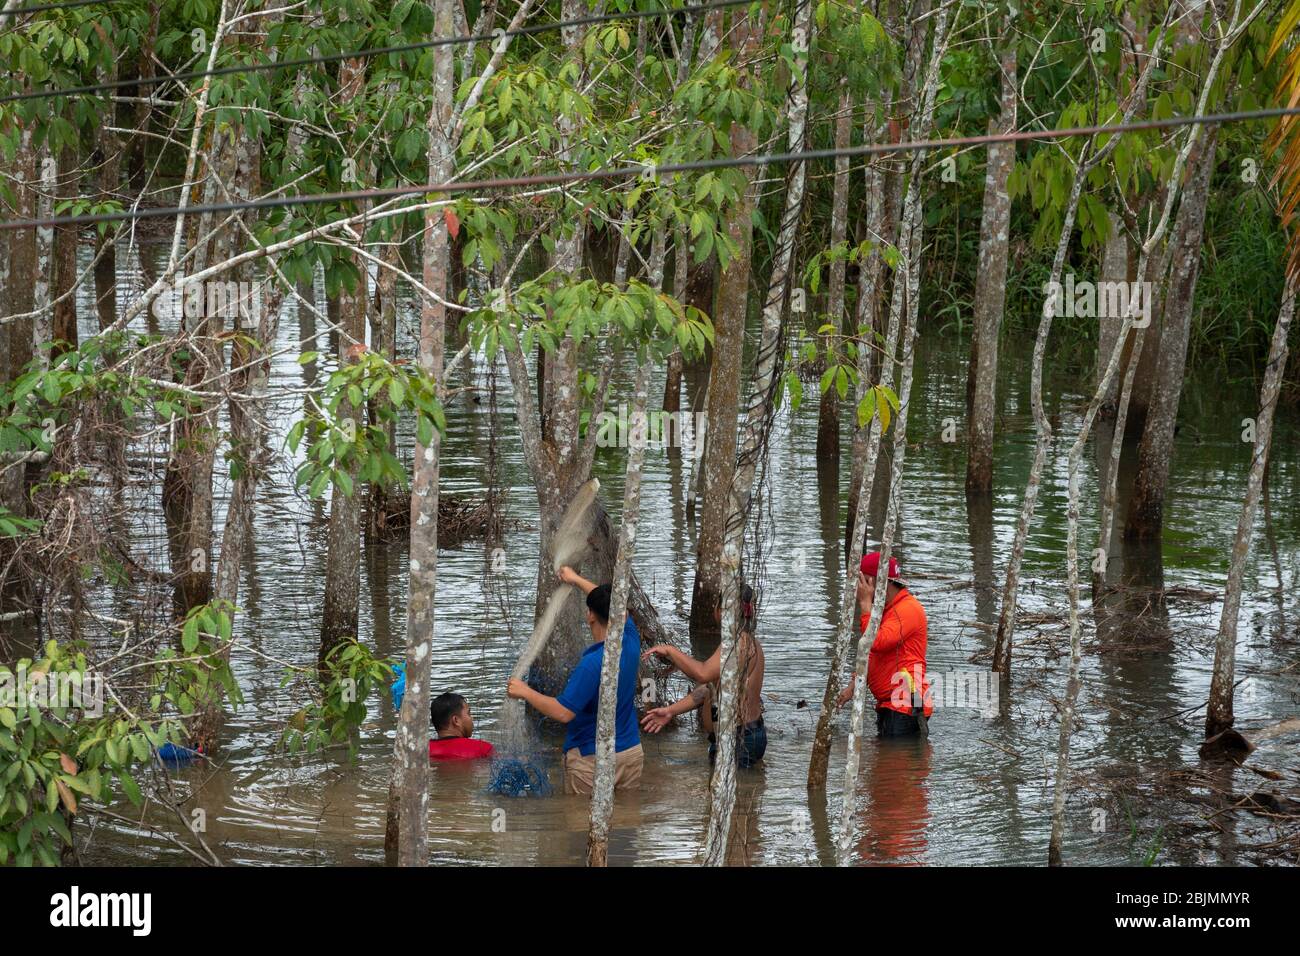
(976, 792)
(894, 795)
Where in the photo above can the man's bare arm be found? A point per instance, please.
(570, 576)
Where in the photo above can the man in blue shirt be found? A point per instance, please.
(577, 705)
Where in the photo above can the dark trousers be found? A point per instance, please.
(751, 744)
(890, 723)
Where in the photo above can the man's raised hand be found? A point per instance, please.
(656, 720)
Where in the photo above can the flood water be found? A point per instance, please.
(977, 792)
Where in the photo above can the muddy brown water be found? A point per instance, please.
(977, 792)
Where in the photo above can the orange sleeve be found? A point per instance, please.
(890, 634)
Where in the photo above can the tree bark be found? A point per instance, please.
(341, 606)
(602, 799)
(990, 281)
(906, 285)
(1219, 715)
(412, 748)
(65, 261)
(1146, 505)
(828, 410)
(757, 428)
(723, 409)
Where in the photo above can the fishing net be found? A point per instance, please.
(518, 777)
(518, 769)
(756, 517)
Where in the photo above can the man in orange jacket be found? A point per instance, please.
(896, 666)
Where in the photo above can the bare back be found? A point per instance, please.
(752, 665)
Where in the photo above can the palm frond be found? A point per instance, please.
(1286, 136)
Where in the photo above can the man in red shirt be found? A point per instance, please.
(452, 720)
(896, 666)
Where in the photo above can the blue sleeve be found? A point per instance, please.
(583, 686)
(631, 657)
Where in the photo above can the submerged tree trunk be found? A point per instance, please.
(907, 296)
(1146, 505)
(1219, 716)
(411, 746)
(1153, 242)
(866, 452)
(723, 410)
(1043, 430)
(342, 603)
(828, 411)
(754, 450)
(602, 798)
(990, 281)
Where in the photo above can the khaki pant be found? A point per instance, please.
(580, 771)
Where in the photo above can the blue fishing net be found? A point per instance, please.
(519, 768)
(518, 777)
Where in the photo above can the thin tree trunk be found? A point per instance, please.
(105, 242)
(383, 338)
(883, 215)
(342, 602)
(909, 283)
(22, 249)
(990, 280)
(65, 261)
(1042, 427)
(602, 798)
(43, 321)
(250, 376)
(187, 483)
(672, 403)
(723, 409)
(866, 452)
(828, 411)
(1152, 243)
(411, 746)
(758, 425)
(1219, 715)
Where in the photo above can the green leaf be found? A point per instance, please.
(131, 787)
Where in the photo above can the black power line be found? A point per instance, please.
(45, 7)
(619, 172)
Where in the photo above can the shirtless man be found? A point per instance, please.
(751, 735)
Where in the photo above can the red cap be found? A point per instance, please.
(871, 566)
